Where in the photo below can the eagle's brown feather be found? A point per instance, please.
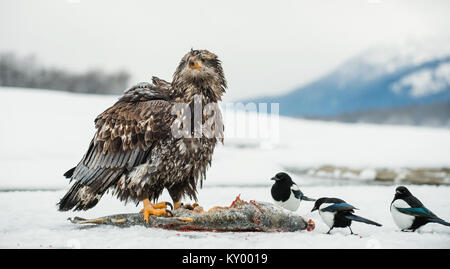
(124, 135)
(133, 151)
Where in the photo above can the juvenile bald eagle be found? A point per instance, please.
(134, 151)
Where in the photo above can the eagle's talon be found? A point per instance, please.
(169, 213)
(169, 204)
(153, 209)
(161, 205)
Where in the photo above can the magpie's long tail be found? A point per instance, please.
(361, 219)
(304, 198)
(440, 221)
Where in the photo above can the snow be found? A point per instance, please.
(391, 56)
(425, 82)
(45, 133)
(42, 226)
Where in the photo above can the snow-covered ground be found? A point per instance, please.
(44, 133)
(30, 220)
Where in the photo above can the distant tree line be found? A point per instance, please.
(26, 72)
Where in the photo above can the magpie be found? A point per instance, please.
(336, 213)
(286, 193)
(409, 213)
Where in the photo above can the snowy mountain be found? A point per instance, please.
(414, 73)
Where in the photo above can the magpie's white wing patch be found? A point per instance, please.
(296, 191)
(295, 187)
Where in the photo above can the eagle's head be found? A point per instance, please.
(200, 72)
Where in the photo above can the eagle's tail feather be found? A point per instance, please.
(79, 197)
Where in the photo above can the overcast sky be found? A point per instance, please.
(267, 47)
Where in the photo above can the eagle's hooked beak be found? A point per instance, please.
(194, 64)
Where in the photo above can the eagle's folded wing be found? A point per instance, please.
(123, 139)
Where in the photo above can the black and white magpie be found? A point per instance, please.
(336, 213)
(409, 213)
(286, 193)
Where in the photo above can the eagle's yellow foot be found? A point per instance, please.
(185, 206)
(156, 209)
(159, 206)
(194, 206)
(162, 205)
(177, 205)
(197, 208)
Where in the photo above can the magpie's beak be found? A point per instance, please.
(314, 209)
(274, 178)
